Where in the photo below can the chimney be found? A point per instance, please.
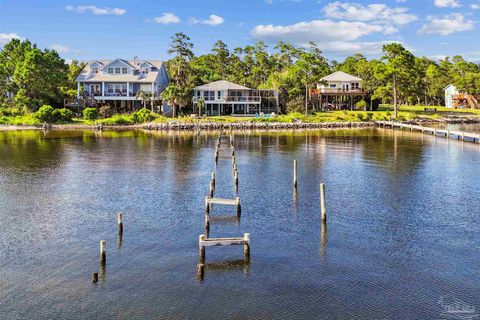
(135, 61)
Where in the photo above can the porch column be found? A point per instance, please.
(128, 89)
(78, 90)
(153, 89)
(103, 89)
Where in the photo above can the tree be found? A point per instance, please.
(171, 94)
(145, 97)
(180, 71)
(398, 70)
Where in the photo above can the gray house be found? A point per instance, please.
(118, 81)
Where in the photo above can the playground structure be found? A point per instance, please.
(466, 101)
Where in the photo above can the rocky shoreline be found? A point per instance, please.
(240, 125)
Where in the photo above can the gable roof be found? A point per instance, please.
(341, 76)
(221, 85)
(86, 76)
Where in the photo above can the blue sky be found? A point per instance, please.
(93, 29)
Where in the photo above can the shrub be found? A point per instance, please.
(105, 110)
(118, 119)
(45, 114)
(369, 116)
(361, 105)
(63, 115)
(90, 113)
(143, 115)
(359, 117)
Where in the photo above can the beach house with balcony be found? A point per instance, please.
(337, 91)
(117, 82)
(228, 98)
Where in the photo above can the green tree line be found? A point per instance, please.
(31, 77)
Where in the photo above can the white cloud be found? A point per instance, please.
(377, 12)
(167, 18)
(60, 48)
(447, 3)
(96, 10)
(330, 36)
(213, 20)
(446, 25)
(316, 30)
(475, 6)
(7, 37)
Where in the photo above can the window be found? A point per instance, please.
(145, 70)
(110, 70)
(124, 70)
(94, 70)
(333, 85)
(117, 70)
(219, 95)
(209, 95)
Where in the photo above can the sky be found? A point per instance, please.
(92, 29)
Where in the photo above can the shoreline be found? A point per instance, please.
(239, 125)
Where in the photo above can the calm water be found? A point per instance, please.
(403, 229)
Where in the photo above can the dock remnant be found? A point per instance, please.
(204, 242)
(227, 202)
(120, 223)
(95, 277)
(295, 174)
(322, 202)
(103, 252)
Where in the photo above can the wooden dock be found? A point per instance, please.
(205, 240)
(449, 134)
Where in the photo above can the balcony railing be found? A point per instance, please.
(335, 91)
(112, 94)
(228, 99)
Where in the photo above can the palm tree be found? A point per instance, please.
(144, 96)
(171, 95)
(201, 106)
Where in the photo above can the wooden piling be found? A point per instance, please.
(103, 252)
(95, 277)
(212, 179)
(246, 247)
(212, 189)
(295, 174)
(120, 223)
(235, 176)
(201, 247)
(239, 207)
(216, 155)
(200, 271)
(322, 202)
(207, 205)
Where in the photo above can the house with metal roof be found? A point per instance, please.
(227, 98)
(118, 82)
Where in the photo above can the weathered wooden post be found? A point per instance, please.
(246, 247)
(235, 175)
(200, 271)
(448, 133)
(201, 247)
(120, 223)
(207, 205)
(239, 207)
(212, 189)
(95, 277)
(322, 202)
(323, 239)
(103, 252)
(212, 179)
(295, 174)
(235, 168)
(233, 151)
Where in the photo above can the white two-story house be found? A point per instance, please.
(227, 98)
(117, 82)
